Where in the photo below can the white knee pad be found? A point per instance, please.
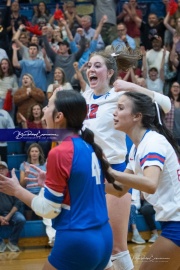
(122, 261)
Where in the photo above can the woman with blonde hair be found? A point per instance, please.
(26, 96)
(59, 82)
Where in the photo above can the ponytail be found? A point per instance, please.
(88, 136)
(163, 130)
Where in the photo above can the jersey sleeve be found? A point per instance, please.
(59, 165)
(154, 154)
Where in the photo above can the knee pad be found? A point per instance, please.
(122, 261)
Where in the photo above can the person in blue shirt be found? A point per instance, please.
(37, 68)
(123, 39)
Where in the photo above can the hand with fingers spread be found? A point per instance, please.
(39, 177)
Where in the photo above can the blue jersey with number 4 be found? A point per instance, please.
(75, 179)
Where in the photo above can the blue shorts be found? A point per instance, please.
(120, 167)
(82, 249)
(171, 231)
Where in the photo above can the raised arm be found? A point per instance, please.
(122, 14)
(82, 45)
(17, 35)
(173, 55)
(47, 63)
(133, 78)
(24, 125)
(15, 61)
(144, 63)
(50, 52)
(161, 73)
(166, 23)
(133, 15)
(161, 99)
(99, 27)
(79, 76)
(68, 31)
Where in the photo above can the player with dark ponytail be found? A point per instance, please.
(74, 190)
(154, 169)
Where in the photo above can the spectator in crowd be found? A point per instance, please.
(135, 78)
(86, 23)
(135, 206)
(42, 13)
(155, 55)
(10, 215)
(74, 21)
(27, 95)
(35, 121)
(63, 58)
(57, 37)
(108, 8)
(91, 45)
(3, 54)
(35, 156)
(148, 213)
(125, 17)
(21, 39)
(6, 122)
(170, 74)
(173, 30)
(172, 118)
(15, 19)
(154, 78)
(59, 32)
(34, 117)
(37, 68)
(59, 82)
(123, 39)
(8, 85)
(174, 56)
(168, 35)
(150, 29)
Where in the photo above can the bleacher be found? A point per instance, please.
(85, 7)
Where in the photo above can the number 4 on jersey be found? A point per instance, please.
(96, 172)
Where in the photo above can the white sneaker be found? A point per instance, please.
(2, 246)
(12, 247)
(138, 239)
(153, 238)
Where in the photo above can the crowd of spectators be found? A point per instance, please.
(51, 50)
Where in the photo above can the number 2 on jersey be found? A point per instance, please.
(91, 111)
(96, 172)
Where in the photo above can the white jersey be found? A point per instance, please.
(155, 150)
(100, 120)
